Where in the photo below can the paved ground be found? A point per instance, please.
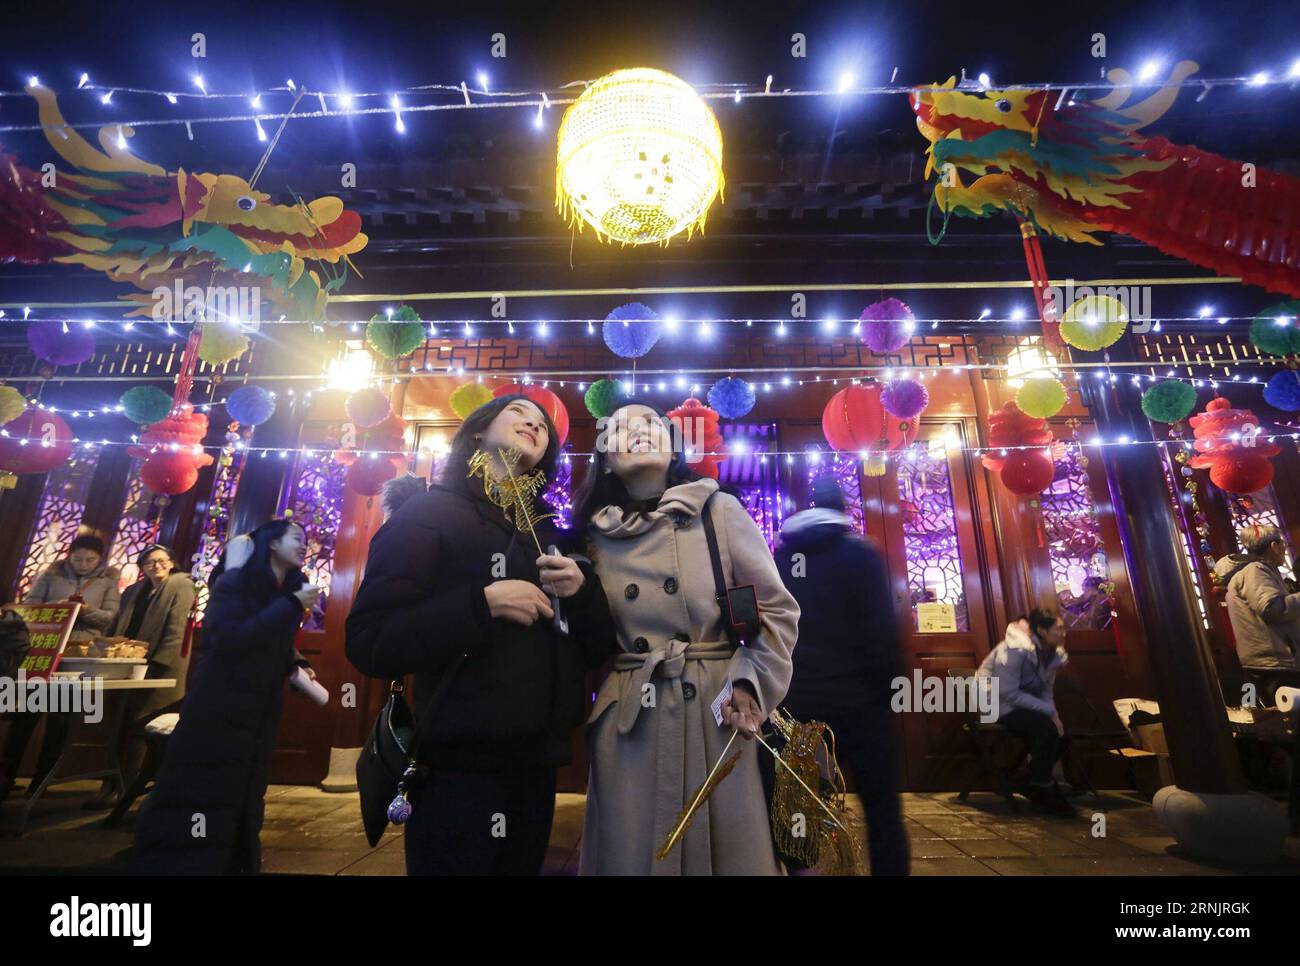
(310, 832)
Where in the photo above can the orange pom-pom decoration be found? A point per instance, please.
(1026, 472)
(172, 449)
(698, 426)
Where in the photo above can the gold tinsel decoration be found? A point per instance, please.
(812, 827)
(517, 495)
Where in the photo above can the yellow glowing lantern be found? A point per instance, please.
(639, 158)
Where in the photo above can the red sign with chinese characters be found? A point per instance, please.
(48, 628)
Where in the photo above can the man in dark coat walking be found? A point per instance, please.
(847, 657)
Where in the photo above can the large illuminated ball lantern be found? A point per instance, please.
(638, 158)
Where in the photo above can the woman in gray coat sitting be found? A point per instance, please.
(156, 610)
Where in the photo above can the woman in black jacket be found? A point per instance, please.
(453, 593)
(206, 810)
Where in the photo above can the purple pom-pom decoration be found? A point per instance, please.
(48, 341)
(631, 330)
(732, 397)
(887, 326)
(250, 405)
(1283, 391)
(368, 407)
(399, 810)
(905, 399)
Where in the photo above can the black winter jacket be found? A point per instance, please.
(514, 692)
(848, 626)
(218, 760)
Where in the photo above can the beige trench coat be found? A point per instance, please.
(651, 734)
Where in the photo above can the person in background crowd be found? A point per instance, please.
(1264, 614)
(454, 593)
(652, 733)
(1023, 667)
(218, 760)
(847, 657)
(82, 575)
(156, 610)
(398, 490)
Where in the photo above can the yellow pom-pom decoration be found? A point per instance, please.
(1094, 322)
(221, 342)
(467, 398)
(1041, 398)
(12, 404)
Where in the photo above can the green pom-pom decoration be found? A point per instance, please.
(1169, 401)
(1277, 339)
(604, 396)
(146, 405)
(396, 337)
(467, 398)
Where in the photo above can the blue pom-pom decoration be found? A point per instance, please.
(631, 330)
(731, 397)
(1283, 391)
(250, 405)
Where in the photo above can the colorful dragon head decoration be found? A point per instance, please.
(1073, 169)
(140, 224)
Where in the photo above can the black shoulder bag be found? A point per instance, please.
(739, 605)
(387, 771)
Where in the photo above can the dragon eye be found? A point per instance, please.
(246, 203)
(1004, 106)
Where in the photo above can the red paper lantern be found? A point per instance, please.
(549, 402)
(368, 474)
(1228, 445)
(854, 420)
(173, 453)
(697, 425)
(48, 442)
(1027, 472)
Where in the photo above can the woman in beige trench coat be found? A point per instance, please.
(652, 735)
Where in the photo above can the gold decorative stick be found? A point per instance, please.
(521, 499)
(716, 775)
(817, 797)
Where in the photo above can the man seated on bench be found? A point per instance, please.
(1023, 669)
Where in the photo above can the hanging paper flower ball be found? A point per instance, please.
(1283, 391)
(887, 326)
(1169, 401)
(173, 453)
(638, 158)
(396, 337)
(697, 425)
(631, 330)
(906, 398)
(1094, 322)
(1229, 445)
(250, 405)
(855, 420)
(1275, 330)
(12, 404)
(221, 342)
(549, 402)
(48, 442)
(368, 474)
(50, 342)
(604, 396)
(145, 404)
(1041, 398)
(732, 397)
(367, 407)
(467, 398)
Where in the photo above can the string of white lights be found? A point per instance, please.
(920, 449)
(541, 99)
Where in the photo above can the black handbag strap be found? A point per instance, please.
(397, 686)
(719, 579)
